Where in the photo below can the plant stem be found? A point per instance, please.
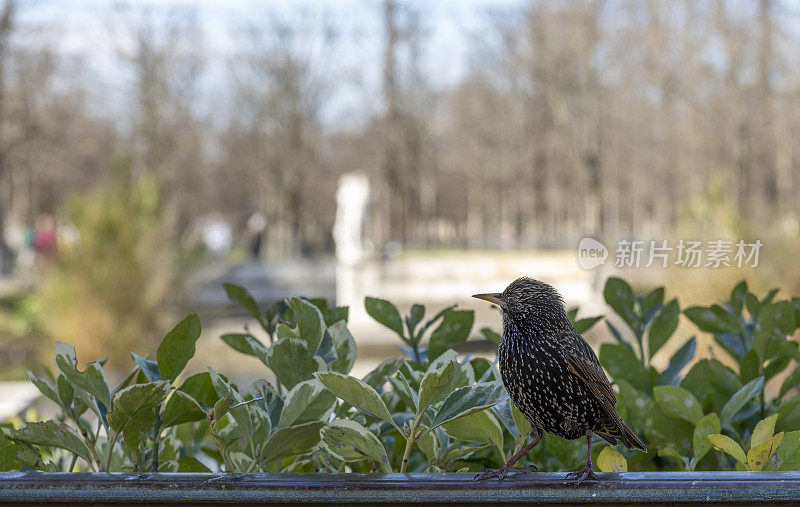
(415, 347)
(111, 443)
(156, 440)
(412, 437)
(409, 444)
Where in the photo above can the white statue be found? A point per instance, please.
(351, 206)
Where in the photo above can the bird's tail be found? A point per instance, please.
(630, 439)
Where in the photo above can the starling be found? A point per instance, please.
(552, 375)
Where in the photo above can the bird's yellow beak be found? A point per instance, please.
(497, 299)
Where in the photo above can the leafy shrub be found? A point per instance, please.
(429, 410)
(109, 285)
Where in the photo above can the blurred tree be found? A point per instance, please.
(6, 26)
(108, 288)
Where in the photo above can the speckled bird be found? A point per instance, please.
(552, 375)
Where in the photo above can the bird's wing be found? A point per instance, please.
(583, 362)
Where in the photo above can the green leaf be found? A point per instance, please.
(669, 452)
(357, 393)
(415, 316)
(789, 414)
(491, 335)
(307, 401)
(791, 381)
(679, 403)
(429, 445)
(178, 347)
(619, 296)
(148, 367)
(349, 441)
(708, 425)
(763, 430)
(651, 303)
(788, 456)
(610, 460)
(401, 387)
(134, 411)
(728, 445)
(522, 423)
(385, 313)
(662, 327)
(191, 401)
(779, 363)
(774, 322)
(200, 387)
(344, 345)
(622, 364)
(583, 325)
(467, 400)
(44, 387)
(332, 316)
(377, 377)
(292, 441)
(65, 391)
(240, 295)
(8, 452)
(752, 304)
(310, 324)
(182, 408)
(93, 380)
(190, 464)
(749, 366)
(249, 418)
(481, 427)
(737, 297)
(714, 319)
(712, 383)
(434, 386)
(740, 399)
(758, 455)
(51, 434)
(678, 361)
(246, 344)
(452, 331)
(290, 361)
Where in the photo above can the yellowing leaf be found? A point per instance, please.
(763, 430)
(758, 456)
(728, 445)
(610, 460)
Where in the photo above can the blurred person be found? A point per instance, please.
(256, 232)
(45, 243)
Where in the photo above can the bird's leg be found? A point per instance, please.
(509, 468)
(588, 471)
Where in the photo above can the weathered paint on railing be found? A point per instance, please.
(729, 487)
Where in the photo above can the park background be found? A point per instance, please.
(151, 150)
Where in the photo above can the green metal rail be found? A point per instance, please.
(419, 489)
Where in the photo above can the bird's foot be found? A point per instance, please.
(586, 473)
(504, 471)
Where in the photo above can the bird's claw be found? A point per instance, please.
(504, 471)
(586, 473)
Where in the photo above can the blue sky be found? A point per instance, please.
(86, 28)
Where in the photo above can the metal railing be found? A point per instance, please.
(173, 488)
